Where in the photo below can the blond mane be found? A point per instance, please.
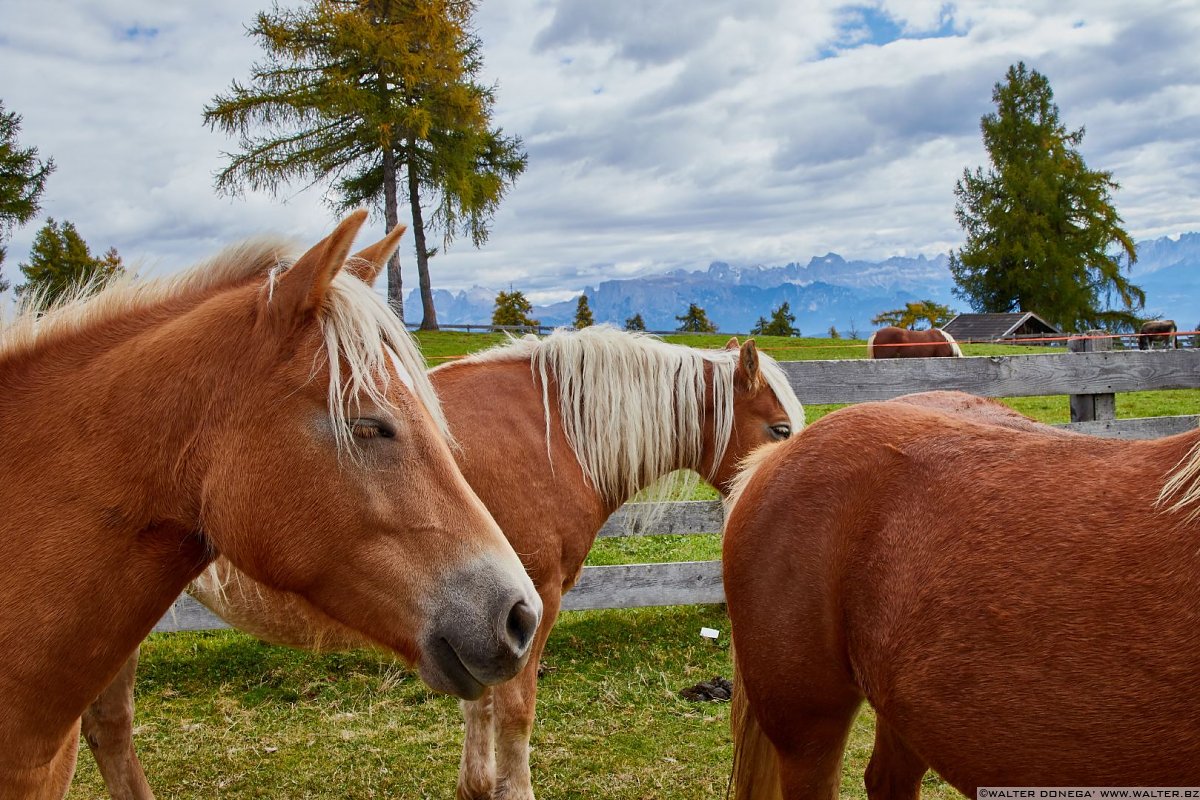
(1181, 489)
(633, 406)
(125, 295)
(358, 327)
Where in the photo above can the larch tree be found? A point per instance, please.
(1041, 231)
(381, 98)
(22, 181)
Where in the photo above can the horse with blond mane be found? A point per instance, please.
(1006, 632)
(893, 342)
(588, 419)
(158, 423)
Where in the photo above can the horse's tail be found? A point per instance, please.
(955, 350)
(871, 345)
(755, 762)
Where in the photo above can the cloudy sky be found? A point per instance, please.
(660, 133)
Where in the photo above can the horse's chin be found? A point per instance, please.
(443, 670)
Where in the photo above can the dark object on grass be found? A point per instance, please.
(716, 690)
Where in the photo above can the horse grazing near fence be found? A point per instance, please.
(893, 342)
(1162, 330)
(275, 416)
(1007, 632)
(554, 435)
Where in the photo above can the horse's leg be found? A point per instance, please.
(477, 769)
(810, 761)
(108, 730)
(515, 705)
(895, 771)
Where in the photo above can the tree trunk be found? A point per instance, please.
(391, 216)
(429, 320)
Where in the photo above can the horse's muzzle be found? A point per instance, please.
(483, 621)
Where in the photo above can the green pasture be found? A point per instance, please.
(221, 715)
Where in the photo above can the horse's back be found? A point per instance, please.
(1015, 630)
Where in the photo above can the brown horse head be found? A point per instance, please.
(355, 502)
(765, 410)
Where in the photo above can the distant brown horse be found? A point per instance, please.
(273, 415)
(1007, 632)
(893, 342)
(554, 435)
(1162, 330)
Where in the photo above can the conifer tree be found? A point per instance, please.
(22, 180)
(60, 261)
(780, 323)
(583, 313)
(935, 315)
(695, 321)
(513, 309)
(635, 323)
(1041, 231)
(367, 94)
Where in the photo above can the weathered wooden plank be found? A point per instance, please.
(186, 614)
(1141, 428)
(622, 586)
(859, 380)
(681, 517)
(639, 585)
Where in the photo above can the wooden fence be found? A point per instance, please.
(1091, 375)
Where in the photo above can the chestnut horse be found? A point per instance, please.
(1162, 330)
(893, 342)
(1008, 631)
(277, 417)
(587, 419)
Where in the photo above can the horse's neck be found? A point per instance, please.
(498, 412)
(100, 508)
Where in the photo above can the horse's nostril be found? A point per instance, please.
(522, 622)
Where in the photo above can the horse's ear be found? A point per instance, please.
(747, 375)
(732, 344)
(370, 261)
(301, 290)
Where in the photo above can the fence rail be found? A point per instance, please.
(1080, 374)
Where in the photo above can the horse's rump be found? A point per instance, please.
(893, 342)
(941, 569)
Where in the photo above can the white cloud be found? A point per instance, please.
(660, 135)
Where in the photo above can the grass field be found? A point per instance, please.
(223, 716)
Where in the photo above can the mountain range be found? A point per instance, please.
(827, 291)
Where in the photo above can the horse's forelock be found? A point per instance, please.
(364, 343)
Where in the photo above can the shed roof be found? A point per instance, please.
(990, 327)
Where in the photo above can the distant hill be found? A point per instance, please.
(827, 291)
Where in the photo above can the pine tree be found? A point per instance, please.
(583, 313)
(934, 314)
(362, 93)
(780, 323)
(1041, 230)
(60, 261)
(635, 323)
(833, 332)
(512, 309)
(695, 321)
(22, 180)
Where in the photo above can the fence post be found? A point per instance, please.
(1089, 407)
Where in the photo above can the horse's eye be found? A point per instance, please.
(366, 428)
(781, 431)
